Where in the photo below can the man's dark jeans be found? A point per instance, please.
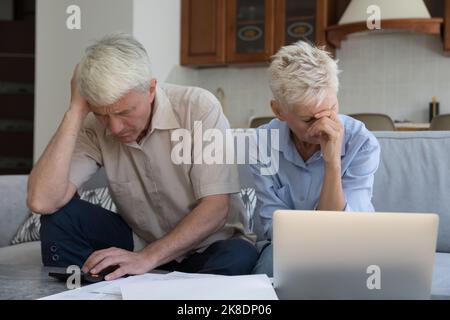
(70, 235)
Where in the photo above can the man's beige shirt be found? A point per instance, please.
(151, 193)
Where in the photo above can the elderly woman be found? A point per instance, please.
(327, 161)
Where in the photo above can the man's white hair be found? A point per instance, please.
(302, 74)
(111, 67)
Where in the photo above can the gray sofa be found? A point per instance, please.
(414, 176)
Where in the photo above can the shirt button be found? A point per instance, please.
(55, 257)
(53, 248)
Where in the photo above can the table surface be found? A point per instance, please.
(23, 282)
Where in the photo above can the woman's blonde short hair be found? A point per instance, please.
(111, 67)
(302, 73)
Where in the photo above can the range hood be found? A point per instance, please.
(389, 9)
(410, 15)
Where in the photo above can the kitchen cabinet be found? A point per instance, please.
(296, 20)
(220, 32)
(202, 32)
(250, 30)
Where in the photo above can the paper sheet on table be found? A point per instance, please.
(200, 287)
(110, 290)
(107, 290)
(89, 292)
(113, 287)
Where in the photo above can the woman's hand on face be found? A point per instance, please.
(330, 130)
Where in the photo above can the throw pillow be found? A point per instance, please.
(99, 196)
(29, 230)
(248, 196)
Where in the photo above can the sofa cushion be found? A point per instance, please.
(413, 176)
(13, 208)
(441, 275)
(25, 253)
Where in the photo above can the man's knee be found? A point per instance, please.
(57, 233)
(57, 221)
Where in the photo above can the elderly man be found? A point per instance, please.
(326, 161)
(184, 217)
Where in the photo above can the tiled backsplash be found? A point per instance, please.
(393, 73)
(246, 92)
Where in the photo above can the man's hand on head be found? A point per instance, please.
(331, 132)
(131, 263)
(77, 102)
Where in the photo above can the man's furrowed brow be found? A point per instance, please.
(126, 110)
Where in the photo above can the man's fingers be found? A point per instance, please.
(93, 259)
(108, 261)
(75, 70)
(120, 272)
(96, 257)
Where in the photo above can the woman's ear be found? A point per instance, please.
(277, 110)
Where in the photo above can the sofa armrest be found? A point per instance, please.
(13, 208)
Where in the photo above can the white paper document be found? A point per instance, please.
(201, 287)
(89, 292)
(105, 290)
(175, 286)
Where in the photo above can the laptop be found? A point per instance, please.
(339, 255)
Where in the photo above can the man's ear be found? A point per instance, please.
(152, 88)
(277, 110)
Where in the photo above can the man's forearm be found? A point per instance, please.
(49, 179)
(208, 217)
(332, 196)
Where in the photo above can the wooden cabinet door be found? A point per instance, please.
(305, 20)
(295, 21)
(250, 27)
(202, 32)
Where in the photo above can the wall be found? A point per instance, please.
(394, 73)
(246, 92)
(156, 24)
(59, 49)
